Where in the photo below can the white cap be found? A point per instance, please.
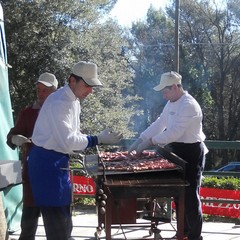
(88, 72)
(168, 79)
(48, 79)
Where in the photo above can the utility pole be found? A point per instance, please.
(177, 35)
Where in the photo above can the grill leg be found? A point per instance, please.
(108, 215)
(98, 233)
(154, 230)
(180, 220)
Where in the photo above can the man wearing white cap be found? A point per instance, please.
(20, 135)
(180, 126)
(56, 135)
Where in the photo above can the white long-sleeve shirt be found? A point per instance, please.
(58, 124)
(180, 121)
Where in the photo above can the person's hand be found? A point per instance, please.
(134, 146)
(145, 144)
(107, 136)
(19, 140)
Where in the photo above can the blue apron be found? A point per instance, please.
(49, 181)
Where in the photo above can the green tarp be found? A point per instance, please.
(12, 196)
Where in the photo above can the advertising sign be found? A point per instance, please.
(218, 208)
(83, 186)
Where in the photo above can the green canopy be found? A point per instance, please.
(12, 196)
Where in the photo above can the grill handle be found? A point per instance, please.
(102, 162)
(172, 157)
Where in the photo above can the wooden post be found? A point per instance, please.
(3, 224)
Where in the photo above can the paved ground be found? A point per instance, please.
(85, 222)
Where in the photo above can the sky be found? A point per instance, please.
(126, 11)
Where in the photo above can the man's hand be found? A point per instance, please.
(19, 140)
(145, 144)
(134, 146)
(107, 136)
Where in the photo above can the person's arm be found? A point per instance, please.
(188, 118)
(64, 126)
(156, 127)
(19, 128)
(145, 139)
(58, 128)
(9, 139)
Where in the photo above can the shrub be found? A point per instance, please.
(229, 183)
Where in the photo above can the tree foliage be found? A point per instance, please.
(153, 47)
(209, 56)
(214, 47)
(53, 35)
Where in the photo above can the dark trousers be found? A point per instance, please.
(57, 222)
(29, 222)
(193, 154)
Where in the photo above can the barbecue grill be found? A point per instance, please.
(118, 192)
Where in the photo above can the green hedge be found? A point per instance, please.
(230, 183)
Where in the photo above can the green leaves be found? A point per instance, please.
(52, 36)
(230, 183)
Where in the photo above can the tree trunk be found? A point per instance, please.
(3, 224)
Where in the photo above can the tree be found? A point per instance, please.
(113, 105)
(152, 45)
(209, 56)
(52, 36)
(209, 63)
(213, 51)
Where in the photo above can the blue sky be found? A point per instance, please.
(126, 11)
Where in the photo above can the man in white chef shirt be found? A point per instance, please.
(180, 126)
(56, 135)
